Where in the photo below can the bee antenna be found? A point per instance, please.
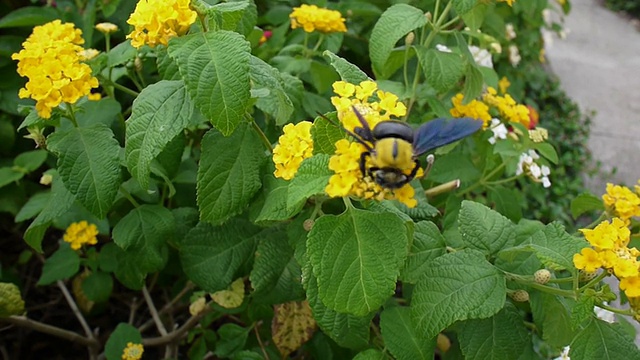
(351, 133)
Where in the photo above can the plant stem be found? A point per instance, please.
(347, 202)
(125, 89)
(176, 334)
(78, 314)
(153, 311)
(262, 135)
(72, 114)
(594, 281)
(168, 306)
(318, 43)
(128, 196)
(25, 322)
(552, 290)
(627, 312)
(594, 223)
(498, 182)
(264, 351)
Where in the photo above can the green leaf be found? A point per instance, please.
(118, 340)
(97, 286)
(484, 229)
(456, 286)
(161, 112)
(585, 202)
(239, 15)
(473, 82)
(104, 111)
(356, 257)
(325, 134)
(211, 256)
(552, 245)
(167, 68)
(232, 339)
(453, 166)
(276, 277)
(9, 175)
(463, 6)
(443, 70)
(89, 165)
(108, 257)
(311, 179)
(33, 207)
(397, 21)
(215, 68)
(347, 330)
(552, 315)
(347, 71)
(276, 204)
(229, 173)
(401, 338)
(29, 16)
(548, 151)
(370, 354)
(476, 16)
(277, 102)
(602, 340)
(507, 202)
(582, 310)
(59, 203)
(427, 245)
(498, 337)
(31, 160)
(143, 234)
(62, 264)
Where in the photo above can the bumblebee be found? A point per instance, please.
(393, 147)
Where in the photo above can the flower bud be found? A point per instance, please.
(308, 224)
(542, 276)
(520, 296)
(46, 179)
(428, 15)
(587, 276)
(443, 342)
(410, 38)
(138, 64)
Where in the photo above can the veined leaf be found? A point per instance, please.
(427, 245)
(442, 70)
(552, 315)
(484, 229)
(62, 264)
(325, 134)
(123, 334)
(159, 114)
(277, 102)
(401, 337)
(89, 165)
(312, 177)
(356, 257)
(215, 68)
(347, 71)
(601, 340)
(229, 173)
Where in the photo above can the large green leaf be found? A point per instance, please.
(89, 165)
(143, 235)
(552, 245)
(473, 82)
(347, 71)
(427, 245)
(215, 68)
(276, 206)
(552, 315)
(585, 202)
(463, 6)
(356, 257)
(498, 337)
(29, 16)
(229, 173)
(211, 255)
(325, 134)
(457, 286)
(312, 177)
(401, 338)
(442, 70)
(62, 264)
(484, 229)
(118, 340)
(601, 340)
(276, 103)
(395, 22)
(239, 15)
(159, 114)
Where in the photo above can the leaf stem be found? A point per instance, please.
(153, 311)
(72, 114)
(128, 196)
(262, 135)
(124, 89)
(594, 281)
(179, 332)
(78, 314)
(318, 43)
(498, 182)
(627, 312)
(260, 343)
(25, 322)
(594, 223)
(347, 202)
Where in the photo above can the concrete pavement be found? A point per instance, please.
(599, 67)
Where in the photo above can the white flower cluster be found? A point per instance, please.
(499, 131)
(481, 56)
(527, 165)
(564, 355)
(604, 314)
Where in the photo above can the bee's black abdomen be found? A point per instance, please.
(393, 129)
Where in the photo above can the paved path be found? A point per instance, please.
(599, 67)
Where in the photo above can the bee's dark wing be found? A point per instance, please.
(439, 132)
(365, 131)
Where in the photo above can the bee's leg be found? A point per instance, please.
(411, 176)
(363, 163)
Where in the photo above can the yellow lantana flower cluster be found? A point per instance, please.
(294, 145)
(345, 163)
(156, 21)
(80, 233)
(474, 109)
(503, 106)
(312, 18)
(621, 201)
(51, 58)
(132, 351)
(609, 250)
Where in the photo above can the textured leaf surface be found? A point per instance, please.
(211, 255)
(159, 114)
(118, 340)
(473, 82)
(498, 337)
(275, 207)
(456, 286)
(62, 264)
(11, 302)
(601, 340)
(442, 70)
(356, 257)
(215, 68)
(484, 229)
(89, 165)
(277, 102)
(553, 316)
(276, 277)
(463, 6)
(347, 71)
(401, 338)
(585, 202)
(229, 173)
(427, 245)
(292, 326)
(325, 134)
(311, 179)
(397, 21)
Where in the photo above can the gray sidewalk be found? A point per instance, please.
(599, 67)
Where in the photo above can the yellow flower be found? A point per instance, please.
(80, 233)
(503, 85)
(510, 2)
(132, 351)
(155, 21)
(507, 107)
(294, 145)
(106, 28)
(89, 54)
(51, 58)
(624, 203)
(624, 268)
(588, 260)
(94, 96)
(474, 109)
(312, 18)
(631, 286)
